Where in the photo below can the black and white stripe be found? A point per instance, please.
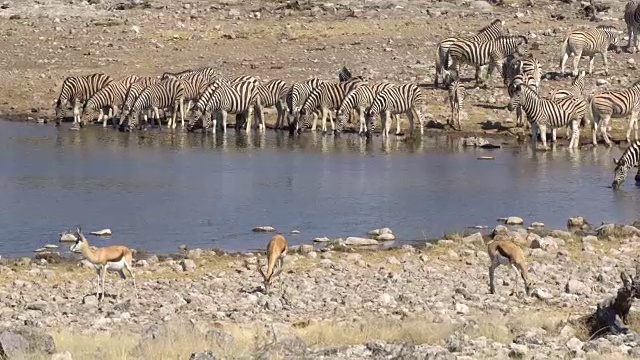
(273, 93)
(167, 93)
(107, 100)
(225, 98)
(132, 94)
(629, 159)
(297, 94)
(632, 19)
(490, 32)
(615, 104)
(543, 113)
(456, 92)
(577, 91)
(76, 90)
(326, 97)
(516, 81)
(361, 98)
(588, 42)
(491, 53)
(405, 99)
(194, 85)
(208, 72)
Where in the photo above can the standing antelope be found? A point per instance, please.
(276, 251)
(505, 252)
(112, 258)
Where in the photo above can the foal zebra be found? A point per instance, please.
(576, 91)
(615, 104)
(455, 96)
(405, 98)
(542, 113)
(107, 100)
(360, 99)
(273, 93)
(629, 159)
(296, 95)
(236, 98)
(490, 32)
(632, 18)
(168, 93)
(77, 90)
(588, 43)
(326, 97)
(491, 52)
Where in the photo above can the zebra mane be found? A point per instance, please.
(493, 24)
(512, 37)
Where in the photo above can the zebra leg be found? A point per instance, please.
(251, 114)
(333, 124)
(633, 123)
(591, 61)
(553, 135)
(397, 117)
(576, 62)
(410, 116)
(323, 121)
(420, 120)
(182, 113)
(156, 114)
(385, 118)
(214, 122)
(543, 135)
(76, 113)
(603, 129)
(575, 134)
(565, 57)
(223, 114)
(594, 129)
(534, 135)
(606, 62)
(363, 124)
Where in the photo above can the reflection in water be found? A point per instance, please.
(159, 189)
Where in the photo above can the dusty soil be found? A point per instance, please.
(46, 41)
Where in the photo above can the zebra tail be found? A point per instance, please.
(563, 49)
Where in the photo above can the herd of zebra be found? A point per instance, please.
(210, 97)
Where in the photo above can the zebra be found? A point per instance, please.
(77, 90)
(296, 95)
(344, 75)
(132, 94)
(273, 93)
(456, 94)
(491, 52)
(327, 96)
(629, 159)
(588, 42)
(194, 85)
(226, 98)
(168, 93)
(208, 72)
(490, 32)
(576, 91)
(107, 100)
(405, 98)
(615, 104)
(632, 18)
(543, 112)
(361, 99)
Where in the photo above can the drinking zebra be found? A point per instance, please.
(405, 98)
(361, 98)
(615, 104)
(273, 93)
(456, 94)
(542, 113)
(491, 53)
(490, 32)
(168, 93)
(296, 95)
(516, 81)
(132, 94)
(76, 90)
(226, 98)
(629, 159)
(107, 100)
(326, 97)
(632, 19)
(588, 42)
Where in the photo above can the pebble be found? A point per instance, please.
(264, 229)
(514, 220)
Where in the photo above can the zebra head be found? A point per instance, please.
(611, 33)
(514, 103)
(194, 121)
(132, 120)
(450, 76)
(620, 172)
(60, 110)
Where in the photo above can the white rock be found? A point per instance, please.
(545, 243)
(541, 294)
(62, 356)
(321, 239)
(295, 232)
(631, 61)
(474, 239)
(312, 254)
(461, 308)
(306, 248)
(602, 82)
(103, 232)
(135, 29)
(380, 231)
(574, 344)
(537, 224)
(514, 220)
(68, 237)
(188, 265)
(358, 241)
(385, 298)
(263, 229)
(386, 237)
(567, 332)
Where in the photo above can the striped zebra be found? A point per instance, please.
(632, 19)
(588, 42)
(490, 32)
(296, 95)
(361, 98)
(491, 53)
(226, 98)
(630, 158)
(406, 98)
(132, 94)
(76, 90)
(615, 104)
(456, 94)
(167, 93)
(344, 74)
(577, 91)
(107, 100)
(326, 97)
(194, 85)
(208, 72)
(543, 113)
(518, 79)
(273, 93)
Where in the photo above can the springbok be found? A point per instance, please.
(276, 251)
(114, 258)
(505, 252)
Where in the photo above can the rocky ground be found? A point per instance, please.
(332, 301)
(46, 41)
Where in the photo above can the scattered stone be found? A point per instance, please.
(574, 344)
(321, 239)
(518, 351)
(306, 248)
(474, 141)
(514, 220)
(264, 229)
(541, 294)
(606, 230)
(577, 221)
(475, 239)
(68, 237)
(546, 243)
(188, 265)
(358, 241)
(602, 82)
(385, 237)
(295, 232)
(462, 308)
(203, 355)
(62, 356)
(377, 232)
(16, 342)
(574, 286)
(103, 232)
(537, 224)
